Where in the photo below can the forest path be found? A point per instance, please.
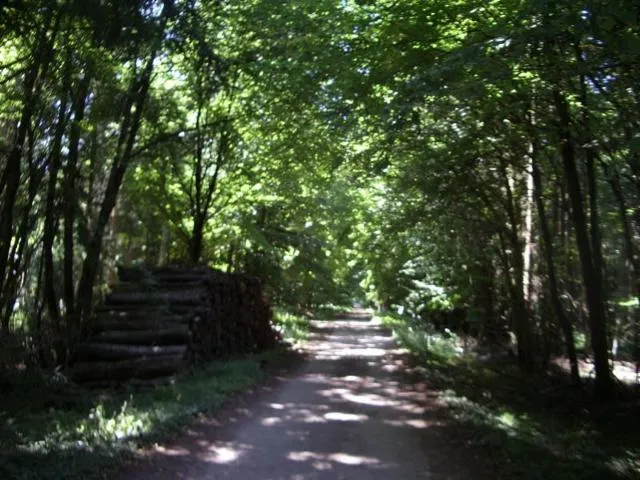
(353, 411)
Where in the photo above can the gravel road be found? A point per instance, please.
(352, 411)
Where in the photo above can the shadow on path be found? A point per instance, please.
(353, 411)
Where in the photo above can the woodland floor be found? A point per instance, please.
(354, 410)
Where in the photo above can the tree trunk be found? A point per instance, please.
(163, 255)
(484, 302)
(630, 249)
(547, 243)
(594, 289)
(19, 254)
(594, 217)
(519, 307)
(50, 220)
(10, 180)
(632, 257)
(128, 133)
(527, 256)
(70, 197)
(130, 125)
(196, 241)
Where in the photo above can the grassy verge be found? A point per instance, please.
(331, 312)
(294, 327)
(48, 433)
(531, 427)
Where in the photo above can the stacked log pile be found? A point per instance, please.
(157, 321)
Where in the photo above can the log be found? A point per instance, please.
(131, 309)
(138, 274)
(116, 351)
(183, 285)
(181, 278)
(137, 323)
(201, 311)
(127, 286)
(175, 335)
(143, 367)
(142, 312)
(212, 312)
(178, 269)
(188, 297)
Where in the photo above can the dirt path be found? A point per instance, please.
(351, 412)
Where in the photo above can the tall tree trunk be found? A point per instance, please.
(231, 256)
(527, 256)
(197, 239)
(593, 288)
(197, 206)
(70, 198)
(520, 310)
(163, 255)
(630, 250)
(10, 180)
(19, 255)
(50, 217)
(547, 245)
(483, 301)
(128, 133)
(591, 156)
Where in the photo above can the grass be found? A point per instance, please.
(330, 311)
(294, 327)
(531, 427)
(48, 433)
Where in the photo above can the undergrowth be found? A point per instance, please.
(422, 341)
(330, 311)
(49, 433)
(294, 327)
(531, 427)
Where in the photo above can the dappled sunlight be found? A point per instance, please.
(625, 372)
(206, 451)
(413, 422)
(304, 413)
(172, 451)
(351, 409)
(363, 340)
(270, 421)
(344, 458)
(345, 417)
(221, 453)
(369, 399)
